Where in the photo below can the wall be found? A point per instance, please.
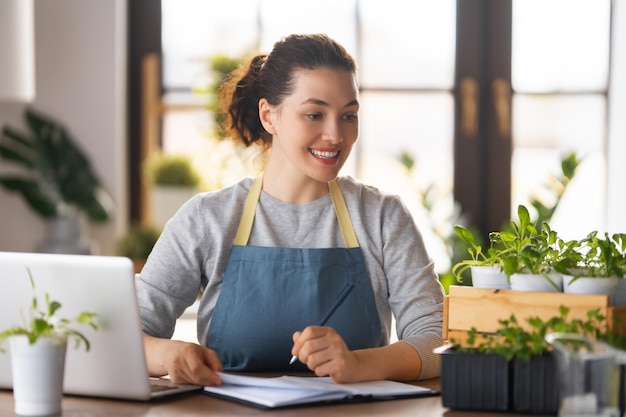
(617, 123)
(81, 81)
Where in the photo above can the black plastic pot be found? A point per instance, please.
(475, 381)
(536, 385)
(487, 382)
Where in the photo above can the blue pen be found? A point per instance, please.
(342, 296)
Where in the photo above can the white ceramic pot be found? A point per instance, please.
(489, 277)
(536, 282)
(166, 200)
(65, 235)
(37, 371)
(592, 285)
(620, 292)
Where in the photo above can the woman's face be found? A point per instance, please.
(315, 127)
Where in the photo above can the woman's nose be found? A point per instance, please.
(332, 132)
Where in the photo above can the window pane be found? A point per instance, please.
(193, 30)
(420, 124)
(283, 17)
(545, 128)
(555, 121)
(560, 45)
(407, 44)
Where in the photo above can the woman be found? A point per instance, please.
(272, 254)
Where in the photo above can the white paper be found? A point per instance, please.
(291, 390)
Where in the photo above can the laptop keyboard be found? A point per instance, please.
(160, 388)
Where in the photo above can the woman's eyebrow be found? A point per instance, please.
(319, 102)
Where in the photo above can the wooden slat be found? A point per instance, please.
(469, 307)
(617, 319)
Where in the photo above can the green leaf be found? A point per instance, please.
(40, 202)
(59, 175)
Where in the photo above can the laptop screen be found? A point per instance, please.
(115, 365)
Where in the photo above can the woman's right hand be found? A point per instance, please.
(184, 362)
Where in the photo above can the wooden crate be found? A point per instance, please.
(467, 307)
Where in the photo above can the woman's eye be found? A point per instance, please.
(314, 116)
(351, 117)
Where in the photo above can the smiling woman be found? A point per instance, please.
(405, 55)
(298, 233)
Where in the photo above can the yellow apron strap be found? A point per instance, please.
(247, 217)
(345, 224)
(249, 209)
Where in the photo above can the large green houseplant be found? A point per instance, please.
(56, 180)
(58, 177)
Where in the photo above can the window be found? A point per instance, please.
(406, 97)
(558, 72)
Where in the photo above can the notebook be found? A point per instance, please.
(115, 366)
(292, 391)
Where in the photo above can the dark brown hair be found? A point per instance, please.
(270, 76)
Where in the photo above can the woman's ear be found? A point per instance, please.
(267, 116)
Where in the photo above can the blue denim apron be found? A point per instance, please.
(269, 293)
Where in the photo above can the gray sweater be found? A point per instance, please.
(193, 250)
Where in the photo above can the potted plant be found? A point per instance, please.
(38, 349)
(531, 254)
(137, 244)
(486, 267)
(58, 184)
(513, 369)
(174, 180)
(597, 266)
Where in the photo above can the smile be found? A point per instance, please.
(324, 154)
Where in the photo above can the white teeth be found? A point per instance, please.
(326, 155)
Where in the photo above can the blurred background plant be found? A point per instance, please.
(442, 225)
(169, 169)
(220, 66)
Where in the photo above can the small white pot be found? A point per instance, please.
(37, 371)
(536, 282)
(166, 200)
(489, 277)
(591, 285)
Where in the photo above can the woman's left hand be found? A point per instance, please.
(324, 352)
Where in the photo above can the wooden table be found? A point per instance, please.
(195, 404)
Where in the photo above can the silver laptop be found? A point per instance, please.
(115, 366)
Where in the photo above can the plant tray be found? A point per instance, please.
(473, 381)
(466, 307)
(488, 382)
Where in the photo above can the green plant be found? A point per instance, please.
(532, 248)
(138, 242)
(492, 257)
(171, 170)
(595, 256)
(220, 67)
(442, 227)
(44, 323)
(59, 179)
(556, 185)
(512, 340)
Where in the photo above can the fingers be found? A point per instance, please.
(322, 349)
(194, 364)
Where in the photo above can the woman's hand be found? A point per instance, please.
(184, 362)
(324, 352)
